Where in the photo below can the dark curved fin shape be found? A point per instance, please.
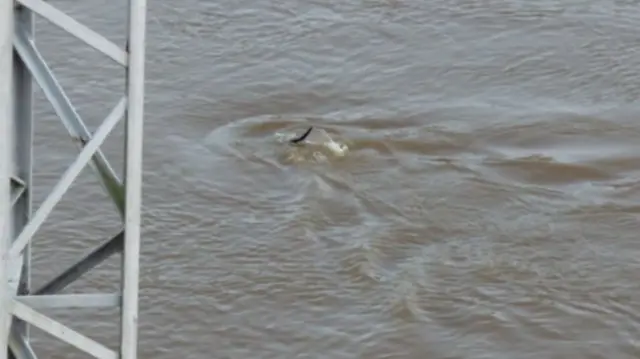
(302, 138)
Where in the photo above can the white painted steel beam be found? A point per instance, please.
(14, 276)
(6, 119)
(17, 189)
(77, 29)
(67, 179)
(23, 158)
(18, 303)
(133, 179)
(15, 266)
(88, 262)
(20, 347)
(15, 272)
(61, 331)
(99, 300)
(44, 77)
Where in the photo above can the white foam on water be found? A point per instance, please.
(337, 148)
(320, 137)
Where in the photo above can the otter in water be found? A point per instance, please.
(302, 137)
(322, 139)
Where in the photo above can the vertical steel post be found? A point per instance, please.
(6, 118)
(133, 178)
(23, 152)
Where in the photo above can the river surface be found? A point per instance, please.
(487, 206)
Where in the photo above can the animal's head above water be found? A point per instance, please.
(302, 137)
(319, 138)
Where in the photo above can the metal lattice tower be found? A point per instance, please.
(21, 66)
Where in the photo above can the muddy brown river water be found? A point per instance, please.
(487, 207)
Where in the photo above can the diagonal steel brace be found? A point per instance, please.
(67, 113)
